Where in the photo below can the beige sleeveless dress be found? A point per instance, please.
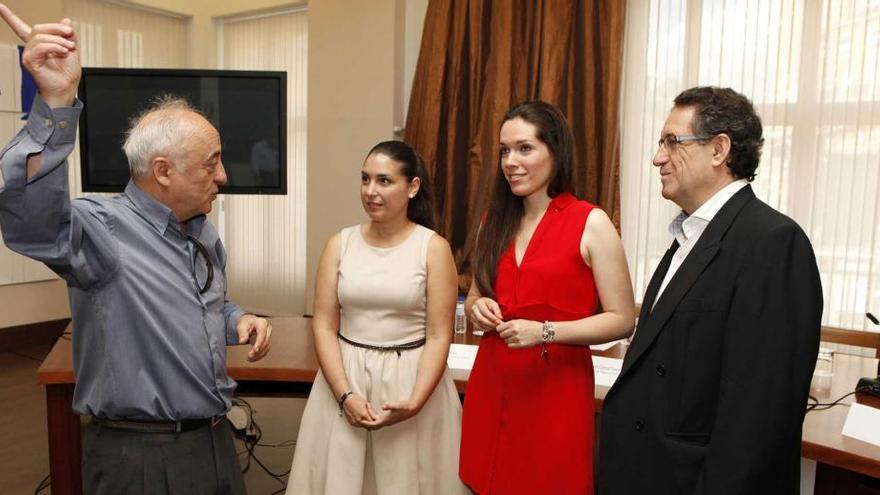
(382, 296)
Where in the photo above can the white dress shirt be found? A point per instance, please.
(687, 229)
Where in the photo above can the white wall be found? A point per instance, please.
(356, 94)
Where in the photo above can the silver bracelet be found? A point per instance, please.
(547, 336)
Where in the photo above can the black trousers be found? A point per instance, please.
(197, 462)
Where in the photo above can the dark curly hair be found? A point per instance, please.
(724, 111)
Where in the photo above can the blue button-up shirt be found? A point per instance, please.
(146, 344)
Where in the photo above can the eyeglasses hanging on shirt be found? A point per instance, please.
(209, 267)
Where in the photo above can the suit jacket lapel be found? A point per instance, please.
(656, 280)
(652, 320)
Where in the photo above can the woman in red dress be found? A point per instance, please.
(543, 263)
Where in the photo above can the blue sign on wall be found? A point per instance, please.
(28, 87)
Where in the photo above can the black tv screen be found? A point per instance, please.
(248, 108)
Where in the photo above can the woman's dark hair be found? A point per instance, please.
(724, 111)
(502, 219)
(421, 208)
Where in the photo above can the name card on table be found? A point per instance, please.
(606, 370)
(606, 345)
(461, 356)
(861, 423)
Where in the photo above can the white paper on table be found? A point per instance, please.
(606, 370)
(461, 356)
(605, 346)
(861, 423)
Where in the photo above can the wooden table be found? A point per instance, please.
(290, 369)
(842, 462)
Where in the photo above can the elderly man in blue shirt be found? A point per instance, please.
(145, 271)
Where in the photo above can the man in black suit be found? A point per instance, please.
(712, 393)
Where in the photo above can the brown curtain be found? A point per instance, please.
(478, 58)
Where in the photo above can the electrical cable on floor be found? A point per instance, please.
(45, 483)
(286, 443)
(251, 442)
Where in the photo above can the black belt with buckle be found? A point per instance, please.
(406, 346)
(158, 426)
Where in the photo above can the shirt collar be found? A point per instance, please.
(676, 228)
(709, 209)
(684, 225)
(158, 214)
(562, 200)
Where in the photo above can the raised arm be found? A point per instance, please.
(50, 55)
(36, 216)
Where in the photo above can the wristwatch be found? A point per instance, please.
(547, 333)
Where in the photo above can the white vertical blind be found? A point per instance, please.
(13, 267)
(113, 35)
(811, 69)
(109, 35)
(266, 235)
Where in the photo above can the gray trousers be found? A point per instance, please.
(197, 462)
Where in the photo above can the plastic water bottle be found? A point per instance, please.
(460, 321)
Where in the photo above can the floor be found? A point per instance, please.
(24, 457)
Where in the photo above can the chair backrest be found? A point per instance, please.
(852, 337)
(857, 338)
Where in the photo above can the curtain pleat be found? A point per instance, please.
(480, 57)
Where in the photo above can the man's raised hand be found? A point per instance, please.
(50, 55)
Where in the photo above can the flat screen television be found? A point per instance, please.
(249, 109)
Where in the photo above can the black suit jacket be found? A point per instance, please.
(713, 389)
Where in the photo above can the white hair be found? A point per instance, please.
(158, 131)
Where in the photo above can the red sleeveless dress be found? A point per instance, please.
(527, 425)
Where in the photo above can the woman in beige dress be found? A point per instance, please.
(383, 415)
